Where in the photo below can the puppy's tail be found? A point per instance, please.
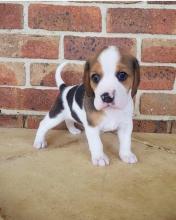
(59, 80)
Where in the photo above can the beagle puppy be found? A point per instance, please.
(104, 102)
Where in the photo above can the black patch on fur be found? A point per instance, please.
(79, 95)
(62, 87)
(70, 96)
(58, 105)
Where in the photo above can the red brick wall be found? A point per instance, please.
(35, 38)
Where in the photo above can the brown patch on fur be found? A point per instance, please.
(90, 66)
(129, 81)
(96, 68)
(94, 117)
(129, 64)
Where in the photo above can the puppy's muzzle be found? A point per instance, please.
(107, 98)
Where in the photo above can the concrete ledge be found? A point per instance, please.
(60, 182)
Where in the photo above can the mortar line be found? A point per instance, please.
(141, 4)
(27, 73)
(25, 15)
(137, 103)
(56, 33)
(61, 48)
(103, 19)
(174, 87)
(138, 48)
(57, 61)
(42, 113)
(54, 88)
(22, 112)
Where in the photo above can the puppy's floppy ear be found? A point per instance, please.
(136, 79)
(86, 79)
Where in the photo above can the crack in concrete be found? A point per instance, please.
(63, 145)
(150, 145)
(147, 144)
(15, 157)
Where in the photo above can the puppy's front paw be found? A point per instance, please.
(128, 158)
(39, 144)
(101, 160)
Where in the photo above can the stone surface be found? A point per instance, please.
(61, 183)
(64, 18)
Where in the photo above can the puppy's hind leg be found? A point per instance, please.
(71, 127)
(46, 124)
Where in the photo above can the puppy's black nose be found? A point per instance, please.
(107, 98)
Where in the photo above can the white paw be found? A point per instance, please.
(101, 160)
(128, 158)
(39, 144)
(74, 131)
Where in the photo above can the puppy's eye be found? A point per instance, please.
(95, 78)
(121, 76)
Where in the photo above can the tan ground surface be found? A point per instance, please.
(59, 183)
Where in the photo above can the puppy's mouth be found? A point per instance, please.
(108, 106)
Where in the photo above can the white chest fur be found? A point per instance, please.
(114, 117)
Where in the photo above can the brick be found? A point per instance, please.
(159, 50)
(11, 121)
(36, 99)
(27, 99)
(157, 77)
(153, 21)
(12, 73)
(29, 46)
(158, 104)
(173, 130)
(9, 98)
(82, 48)
(44, 74)
(32, 122)
(150, 126)
(64, 18)
(11, 16)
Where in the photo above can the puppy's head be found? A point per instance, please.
(111, 78)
